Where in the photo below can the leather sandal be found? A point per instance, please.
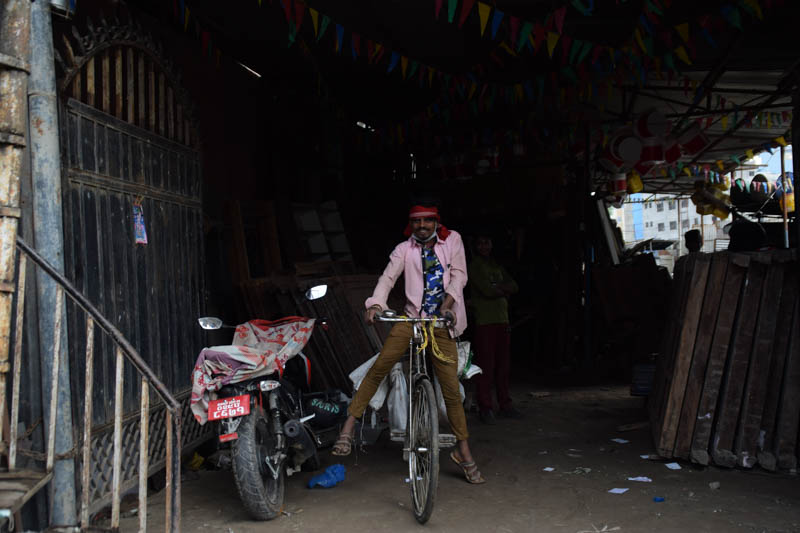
(470, 469)
(343, 445)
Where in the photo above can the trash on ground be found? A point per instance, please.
(574, 455)
(645, 456)
(631, 427)
(673, 466)
(620, 441)
(548, 469)
(574, 450)
(714, 485)
(581, 470)
(658, 499)
(543, 453)
(618, 491)
(331, 477)
(643, 479)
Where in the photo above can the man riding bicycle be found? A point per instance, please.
(434, 265)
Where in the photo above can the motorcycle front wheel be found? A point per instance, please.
(260, 491)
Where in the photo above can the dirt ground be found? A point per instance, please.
(570, 431)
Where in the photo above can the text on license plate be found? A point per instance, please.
(229, 407)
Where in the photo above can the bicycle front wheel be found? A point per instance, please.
(423, 457)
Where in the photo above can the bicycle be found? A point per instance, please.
(422, 437)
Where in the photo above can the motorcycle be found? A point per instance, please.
(264, 412)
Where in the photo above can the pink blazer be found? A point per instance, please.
(406, 258)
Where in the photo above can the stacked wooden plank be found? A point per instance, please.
(727, 382)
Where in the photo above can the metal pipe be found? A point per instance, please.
(87, 425)
(48, 235)
(133, 356)
(116, 489)
(785, 206)
(795, 160)
(144, 454)
(18, 332)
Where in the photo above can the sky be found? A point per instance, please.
(773, 162)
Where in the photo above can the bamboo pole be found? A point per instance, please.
(87, 425)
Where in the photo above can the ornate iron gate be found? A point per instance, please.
(128, 142)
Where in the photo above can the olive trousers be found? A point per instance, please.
(394, 349)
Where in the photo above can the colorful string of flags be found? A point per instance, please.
(590, 69)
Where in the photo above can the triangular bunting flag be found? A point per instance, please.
(731, 14)
(355, 45)
(403, 66)
(466, 8)
(437, 9)
(451, 10)
(323, 26)
(683, 31)
(587, 46)
(577, 45)
(724, 122)
(299, 13)
(559, 18)
(552, 39)
(287, 9)
(681, 53)
(483, 14)
(186, 20)
(413, 69)
(749, 154)
(314, 20)
(496, 18)
(524, 34)
(393, 61)
(339, 37)
(781, 141)
(514, 24)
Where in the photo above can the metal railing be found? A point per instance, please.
(123, 350)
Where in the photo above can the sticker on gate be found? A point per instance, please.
(229, 407)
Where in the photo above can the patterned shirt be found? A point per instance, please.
(432, 271)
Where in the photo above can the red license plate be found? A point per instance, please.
(229, 407)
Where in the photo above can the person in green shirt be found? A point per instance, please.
(491, 286)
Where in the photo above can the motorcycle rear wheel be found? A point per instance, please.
(262, 494)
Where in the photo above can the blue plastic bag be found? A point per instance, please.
(331, 477)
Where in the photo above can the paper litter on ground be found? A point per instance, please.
(643, 479)
(645, 456)
(618, 491)
(620, 441)
(673, 466)
(548, 469)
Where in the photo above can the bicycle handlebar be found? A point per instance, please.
(392, 317)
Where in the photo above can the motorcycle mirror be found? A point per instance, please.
(316, 292)
(210, 322)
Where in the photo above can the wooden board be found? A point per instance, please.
(732, 390)
(789, 410)
(766, 455)
(737, 268)
(666, 358)
(702, 348)
(746, 443)
(665, 443)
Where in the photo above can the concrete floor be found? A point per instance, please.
(570, 430)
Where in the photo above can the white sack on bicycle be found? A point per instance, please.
(357, 376)
(398, 400)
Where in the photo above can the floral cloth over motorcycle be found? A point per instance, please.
(259, 348)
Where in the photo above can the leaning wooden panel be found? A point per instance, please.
(767, 456)
(789, 410)
(665, 443)
(682, 273)
(733, 381)
(717, 358)
(702, 348)
(746, 444)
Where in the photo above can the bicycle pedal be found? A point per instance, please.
(397, 436)
(447, 440)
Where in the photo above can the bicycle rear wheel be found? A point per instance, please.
(423, 457)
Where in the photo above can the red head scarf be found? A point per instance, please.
(421, 211)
